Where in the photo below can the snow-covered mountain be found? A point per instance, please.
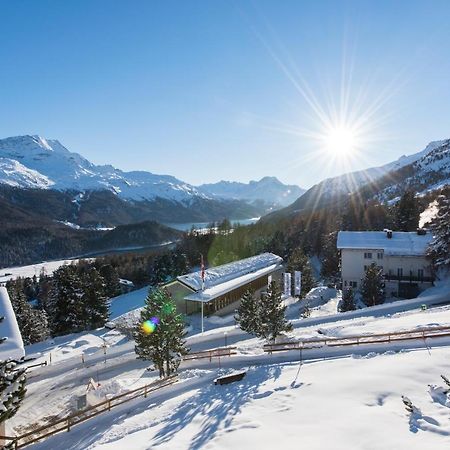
(423, 171)
(36, 162)
(268, 189)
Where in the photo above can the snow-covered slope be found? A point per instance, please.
(36, 162)
(269, 189)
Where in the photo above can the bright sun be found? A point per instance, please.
(340, 141)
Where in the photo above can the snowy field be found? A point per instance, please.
(354, 393)
(11, 273)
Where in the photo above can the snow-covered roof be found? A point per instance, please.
(222, 279)
(12, 347)
(401, 243)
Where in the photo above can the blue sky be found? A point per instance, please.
(236, 90)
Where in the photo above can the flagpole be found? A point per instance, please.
(203, 286)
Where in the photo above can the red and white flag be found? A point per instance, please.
(202, 268)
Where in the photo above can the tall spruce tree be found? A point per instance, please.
(348, 301)
(12, 387)
(372, 288)
(112, 281)
(407, 212)
(94, 299)
(33, 323)
(299, 261)
(439, 249)
(162, 343)
(248, 314)
(272, 314)
(64, 304)
(330, 256)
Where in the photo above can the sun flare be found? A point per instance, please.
(340, 141)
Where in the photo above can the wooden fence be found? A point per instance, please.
(67, 423)
(210, 354)
(395, 336)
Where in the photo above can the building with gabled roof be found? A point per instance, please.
(224, 285)
(401, 255)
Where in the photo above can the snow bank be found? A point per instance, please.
(12, 347)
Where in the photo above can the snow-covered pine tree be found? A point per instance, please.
(112, 281)
(94, 299)
(33, 323)
(248, 314)
(12, 387)
(330, 256)
(64, 305)
(299, 261)
(407, 212)
(272, 313)
(163, 342)
(348, 301)
(372, 288)
(439, 249)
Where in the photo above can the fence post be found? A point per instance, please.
(68, 424)
(109, 405)
(145, 391)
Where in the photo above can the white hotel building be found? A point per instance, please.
(401, 255)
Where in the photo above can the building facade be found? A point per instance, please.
(401, 255)
(223, 286)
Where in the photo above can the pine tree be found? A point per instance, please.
(94, 300)
(12, 387)
(272, 314)
(112, 281)
(64, 304)
(33, 323)
(407, 212)
(348, 301)
(248, 314)
(330, 256)
(439, 249)
(299, 261)
(159, 335)
(372, 288)
(306, 310)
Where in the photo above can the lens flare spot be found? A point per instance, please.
(148, 327)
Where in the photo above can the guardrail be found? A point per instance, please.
(377, 338)
(68, 422)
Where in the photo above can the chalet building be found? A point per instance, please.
(401, 255)
(223, 285)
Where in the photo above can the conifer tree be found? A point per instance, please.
(64, 304)
(299, 261)
(330, 256)
(111, 279)
(272, 314)
(348, 301)
(33, 323)
(159, 335)
(439, 249)
(407, 212)
(248, 314)
(94, 300)
(372, 288)
(12, 387)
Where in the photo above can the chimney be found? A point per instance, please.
(388, 233)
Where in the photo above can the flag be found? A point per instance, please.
(202, 271)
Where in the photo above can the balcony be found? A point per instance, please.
(408, 278)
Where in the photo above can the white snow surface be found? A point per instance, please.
(11, 273)
(402, 243)
(228, 272)
(12, 347)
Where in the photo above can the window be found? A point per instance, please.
(353, 284)
(420, 274)
(365, 268)
(368, 255)
(399, 272)
(380, 255)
